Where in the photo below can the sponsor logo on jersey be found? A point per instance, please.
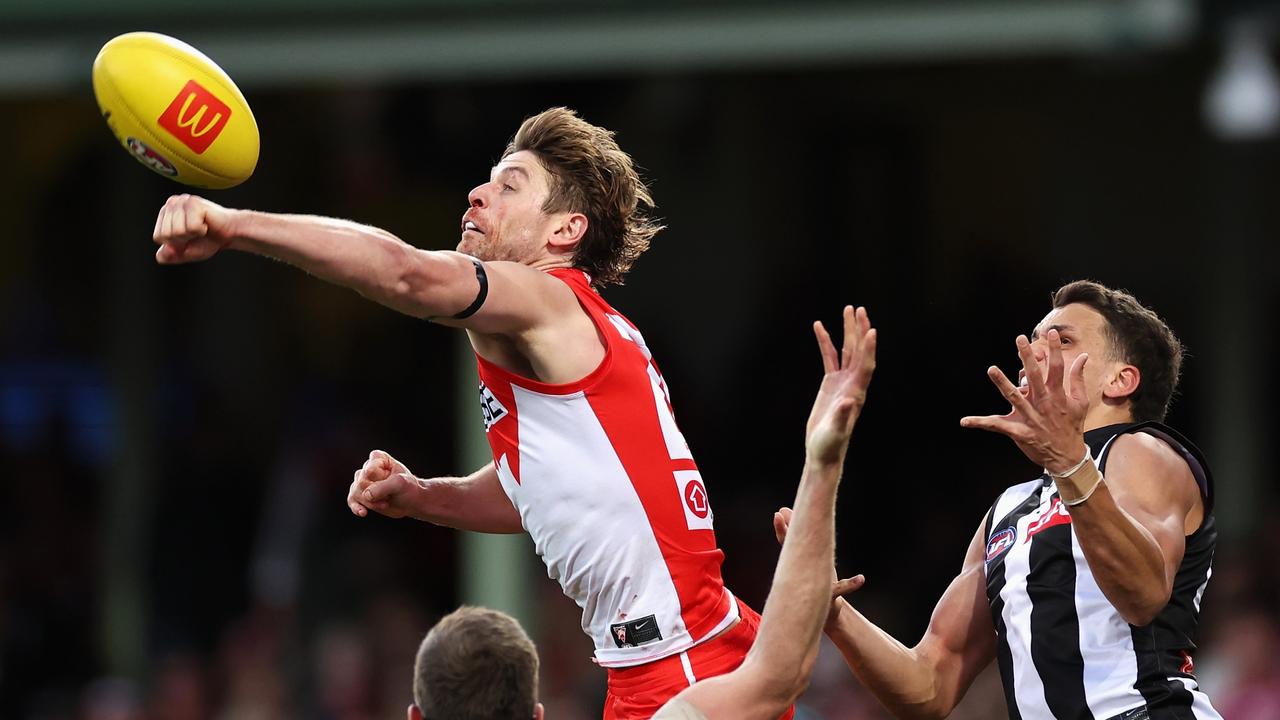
(1000, 542)
(492, 409)
(196, 117)
(695, 496)
(696, 502)
(151, 158)
(1055, 514)
(636, 632)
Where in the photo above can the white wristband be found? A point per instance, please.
(1087, 457)
(1086, 496)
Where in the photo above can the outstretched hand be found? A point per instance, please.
(781, 522)
(1046, 417)
(844, 386)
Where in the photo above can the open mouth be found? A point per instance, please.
(470, 225)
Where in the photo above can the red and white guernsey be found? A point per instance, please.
(609, 492)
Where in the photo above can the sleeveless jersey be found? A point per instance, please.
(1063, 650)
(608, 490)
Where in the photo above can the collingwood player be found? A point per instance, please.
(1085, 583)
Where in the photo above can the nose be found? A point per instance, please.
(478, 196)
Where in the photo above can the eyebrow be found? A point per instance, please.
(1035, 334)
(511, 168)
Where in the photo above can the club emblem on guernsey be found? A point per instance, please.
(491, 407)
(1000, 542)
(1056, 514)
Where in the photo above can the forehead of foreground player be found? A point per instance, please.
(1075, 323)
(521, 167)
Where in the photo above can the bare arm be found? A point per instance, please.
(777, 668)
(1133, 528)
(476, 502)
(928, 680)
(371, 261)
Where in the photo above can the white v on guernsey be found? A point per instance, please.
(608, 490)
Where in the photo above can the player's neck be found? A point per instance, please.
(1105, 414)
(550, 261)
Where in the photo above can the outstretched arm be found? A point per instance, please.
(428, 284)
(777, 668)
(928, 680)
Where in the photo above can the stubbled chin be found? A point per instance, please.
(467, 246)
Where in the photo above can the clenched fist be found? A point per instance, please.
(383, 484)
(190, 229)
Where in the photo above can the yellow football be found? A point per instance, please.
(175, 110)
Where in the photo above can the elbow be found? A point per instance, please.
(1142, 612)
(934, 708)
(1143, 605)
(780, 687)
(413, 283)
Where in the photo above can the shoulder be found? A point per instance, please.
(1148, 465)
(1148, 450)
(514, 298)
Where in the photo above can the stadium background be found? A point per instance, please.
(176, 443)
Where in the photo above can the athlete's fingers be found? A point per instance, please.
(382, 491)
(1035, 379)
(155, 232)
(868, 359)
(779, 528)
(1076, 390)
(377, 467)
(167, 255)
(830, 361)
(1020, 402)
(179, 226)
(850, 341)
(352, 492)
(1053, 378)
(848, 585)
(166, 222)
(994, 423)
(781, 522)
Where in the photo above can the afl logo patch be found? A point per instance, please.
(1000, 542)
(150, 158)
(492, 408)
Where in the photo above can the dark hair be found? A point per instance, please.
(590, 174)
(476, 664)
(1137, 336)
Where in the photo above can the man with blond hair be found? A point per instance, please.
(478, 664)
(587, 455)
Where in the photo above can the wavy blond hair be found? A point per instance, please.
(591, 175)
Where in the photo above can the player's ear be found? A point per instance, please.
(414, 712)
(1123, 382)
(569, 232)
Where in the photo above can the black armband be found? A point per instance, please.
(483, 279)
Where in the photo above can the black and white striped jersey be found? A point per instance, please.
(1063, 650)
